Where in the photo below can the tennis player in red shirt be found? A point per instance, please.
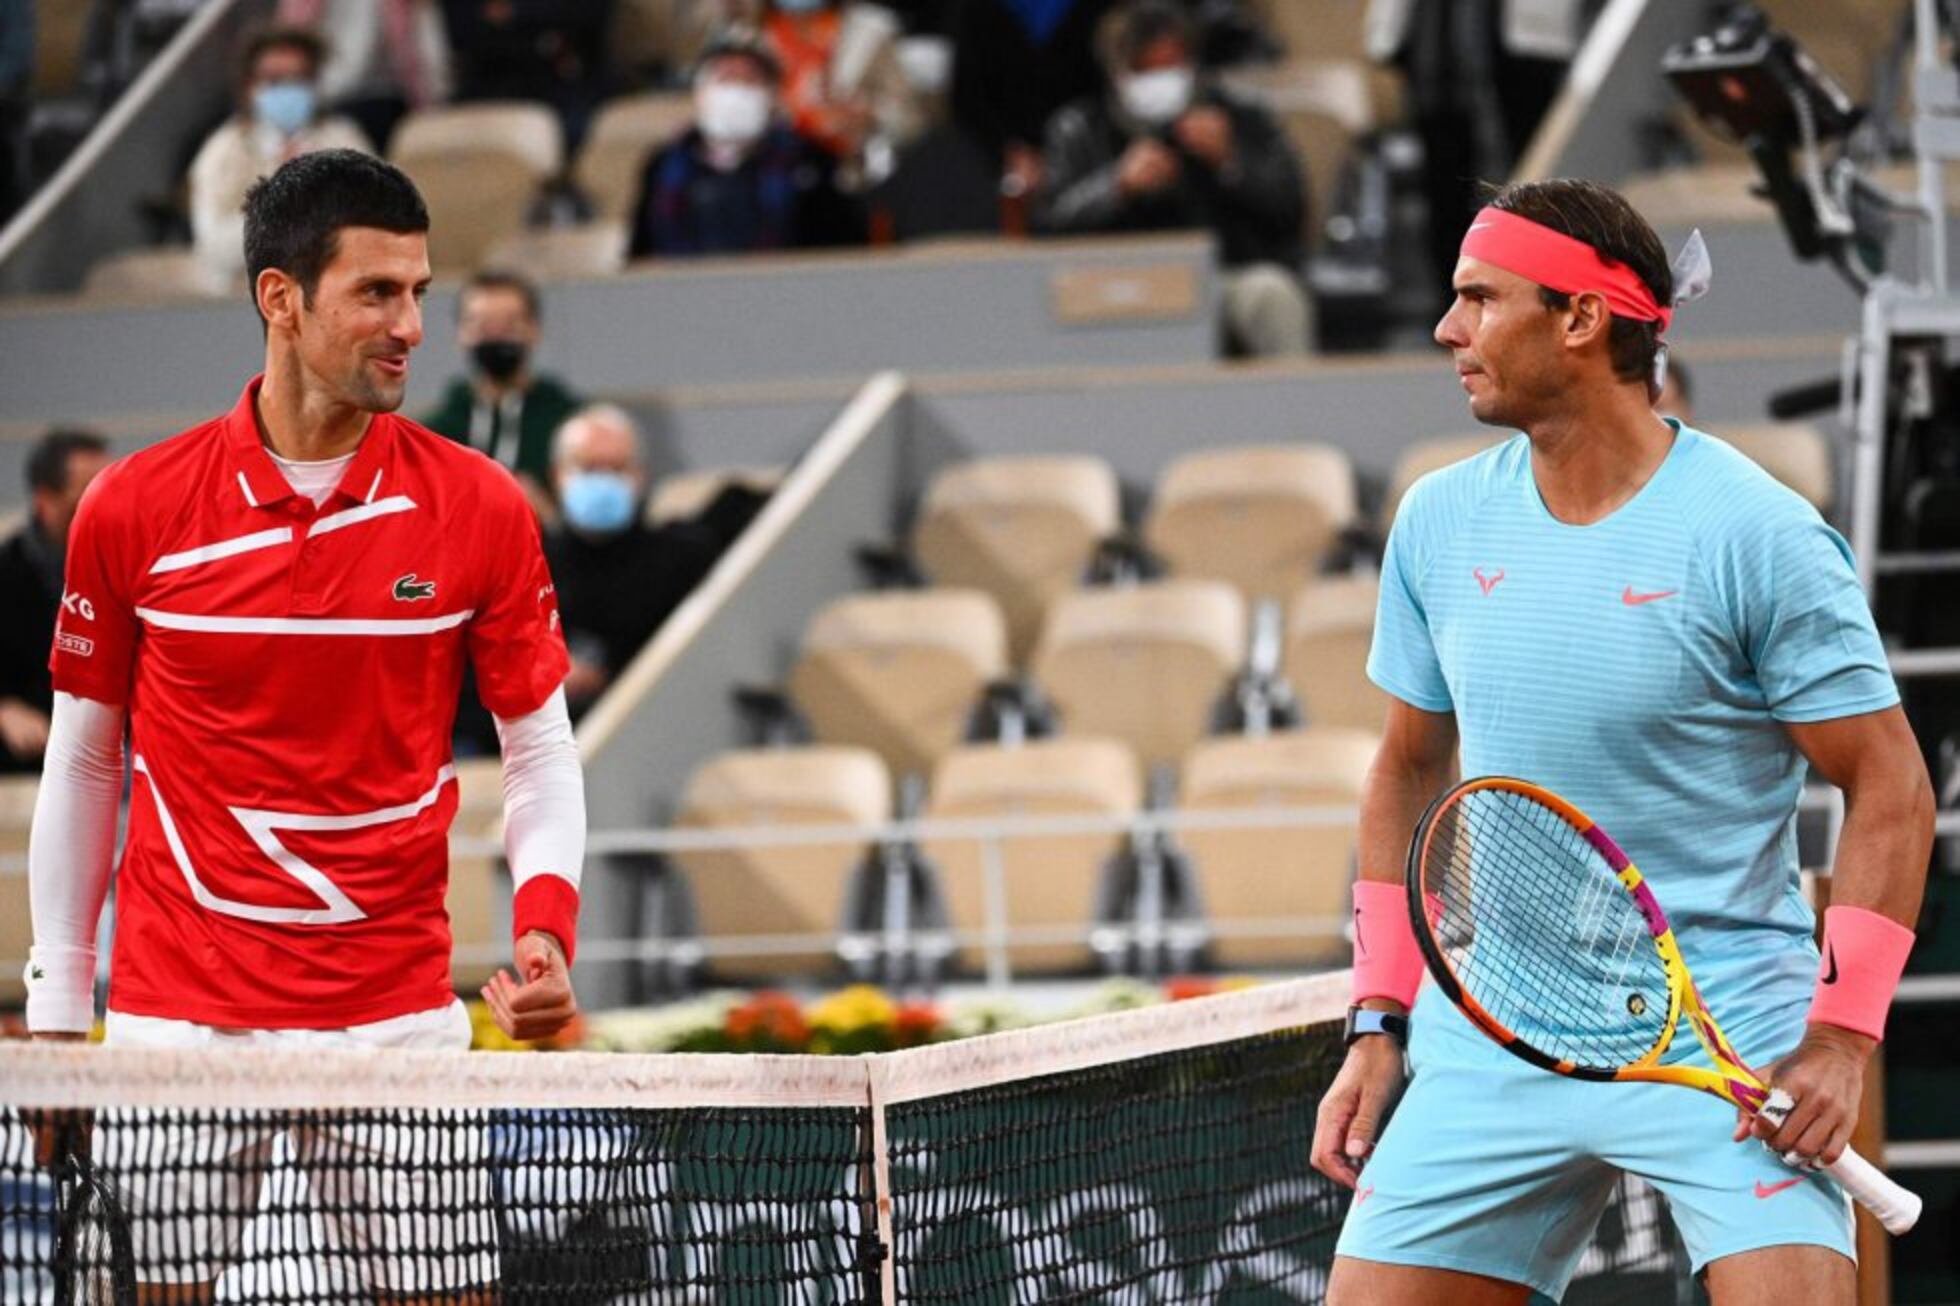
(274, 610)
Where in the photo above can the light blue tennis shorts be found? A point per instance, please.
(1495, 1167)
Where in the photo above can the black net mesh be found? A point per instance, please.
(1539, 931)
(1132, 1174)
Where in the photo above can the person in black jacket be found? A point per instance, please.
(58, 470)
(1164, 149)
(618, 577)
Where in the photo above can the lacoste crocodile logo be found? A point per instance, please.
(410, 590)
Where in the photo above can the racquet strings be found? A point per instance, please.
(1540, 932)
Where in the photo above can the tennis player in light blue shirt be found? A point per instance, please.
(1632, 614)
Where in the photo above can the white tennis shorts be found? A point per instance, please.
(349, 1200)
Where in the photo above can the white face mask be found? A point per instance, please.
(1157, 97)
(731, 113)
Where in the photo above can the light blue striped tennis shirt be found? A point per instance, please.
(1642, 667)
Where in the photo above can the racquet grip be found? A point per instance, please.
(1893, 1205)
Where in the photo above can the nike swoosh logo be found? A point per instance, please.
(1830, 972)
(1632, 600)
(1771, 1190)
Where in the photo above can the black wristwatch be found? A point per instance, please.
(1362, 1022)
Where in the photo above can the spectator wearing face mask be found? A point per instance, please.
(503, 408)
(740, 179)
(59, 468)
(278, 118)
(389, 57)
(617, 577)
(1165, 149)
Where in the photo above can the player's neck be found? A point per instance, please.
(300, 423)
(1592, 459)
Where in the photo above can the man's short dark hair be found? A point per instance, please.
(739, 41)
(504, 279)
(47, 462)
(1602, 218)
(1134, 28)
(308, 42)
(293, 218)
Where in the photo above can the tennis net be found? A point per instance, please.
(1156, 1155)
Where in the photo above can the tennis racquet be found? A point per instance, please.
(1547, 937)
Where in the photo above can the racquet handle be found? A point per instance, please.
(1895, 1206)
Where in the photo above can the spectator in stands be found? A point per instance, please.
(16, 78)
(549, 50)
(617, 577)
(1015, 63)
(1677, 397)
(278, 118)
(842, 85)
(739, 179)
(1166, 148)
(504, 408)
(58, 470)
(389, 57)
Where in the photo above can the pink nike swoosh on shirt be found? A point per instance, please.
(1632, 600)
(1771, 1190)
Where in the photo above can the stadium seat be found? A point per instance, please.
(479, 889)
(899, 672)
(1795, 453)
(1323, 105)
(16, 933)
(1282, 875)
(1049, 882)
(154, 274)
(688, 494)
(478, 167)
(589, 250)
(1426, 456)
(778, 890)
(1145, 664)
(1329, 626)
(1022, 529)
(623, 137)
(1259, 516)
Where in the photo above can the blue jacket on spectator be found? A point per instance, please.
(783, 195)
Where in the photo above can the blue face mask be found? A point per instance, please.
(597, 503)
(285, 106)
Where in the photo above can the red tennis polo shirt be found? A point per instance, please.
(292, 674)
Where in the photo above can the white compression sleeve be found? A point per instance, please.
(70, 855)
(544, 817)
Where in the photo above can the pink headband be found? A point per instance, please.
(1558, 262)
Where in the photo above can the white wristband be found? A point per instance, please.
(60, 989)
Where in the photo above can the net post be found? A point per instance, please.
(878, 1092)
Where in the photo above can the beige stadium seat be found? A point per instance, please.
(1323, 105)
(16, 930)
(1795, 453)
(688, 494)
(479, 888)
(1426, 456)
(1328, 629)
(1048, 882)
(1022, 529)
(478, 167)
(1260, 516)
(589, 250)
(623, 137)
(155, 274)
(1145, 664)
(779, 890)
(1280, 875)
(899, 672)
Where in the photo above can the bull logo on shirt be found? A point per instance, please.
(410, 590)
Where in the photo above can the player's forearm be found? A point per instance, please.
(70, 853)
(1887, 838)
(1399, 786)
(544, 820)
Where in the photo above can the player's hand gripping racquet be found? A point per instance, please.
(1540, 929)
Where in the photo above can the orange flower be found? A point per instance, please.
(768, 1022)
(916, 1023)
(1180, 987)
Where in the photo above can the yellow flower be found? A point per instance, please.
(861, 1006)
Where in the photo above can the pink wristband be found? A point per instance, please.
(1387, 963)
(1864, 954)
